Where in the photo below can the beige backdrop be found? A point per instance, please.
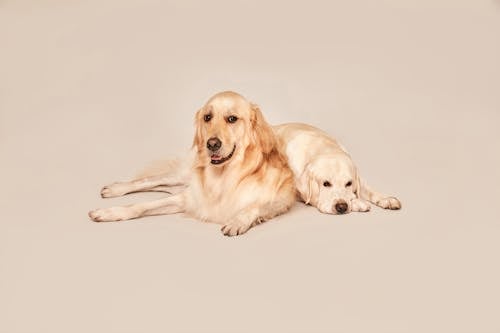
(90, 91)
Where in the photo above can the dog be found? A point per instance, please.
(237, 177)
(325, 175)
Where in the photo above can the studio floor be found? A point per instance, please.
(92, 91)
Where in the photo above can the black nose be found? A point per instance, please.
(341, 207)
(214, 144)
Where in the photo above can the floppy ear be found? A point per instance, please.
(198, 140)
(263, 133)
(304, 187)
(313, 191)
(309, 191)
(307, 186)
(358, 185)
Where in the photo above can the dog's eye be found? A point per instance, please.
(232, 119)
(207, 117)
(327, 184)
(349, 183)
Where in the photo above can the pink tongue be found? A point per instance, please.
(215, 157)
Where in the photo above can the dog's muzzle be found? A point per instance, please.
(217, 159)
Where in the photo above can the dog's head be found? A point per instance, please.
(330, 182)
(227, 127)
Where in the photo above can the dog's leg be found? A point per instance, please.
(381, 200)
(170, 205)
(155, 183)
(254, 215)
(360, 205)
(159, 188)
(242, 222)
(174, 189)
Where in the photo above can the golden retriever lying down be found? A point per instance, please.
(325, 175)
(238, 177)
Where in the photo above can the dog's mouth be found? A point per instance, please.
(217, 159)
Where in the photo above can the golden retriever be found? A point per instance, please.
(325, 174)
(238, 177)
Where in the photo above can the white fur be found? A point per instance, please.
(316, 158)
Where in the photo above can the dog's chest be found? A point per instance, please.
(219, 200)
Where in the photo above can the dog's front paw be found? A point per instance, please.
(114, 190)
(235, 228)
(360, 205)
(110, 214)
(389, 203)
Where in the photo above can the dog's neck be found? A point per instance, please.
(242, 165)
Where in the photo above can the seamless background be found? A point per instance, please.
(91, 91)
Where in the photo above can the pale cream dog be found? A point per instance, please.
(325, 175)
(237, 178)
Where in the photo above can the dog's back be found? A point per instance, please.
(301, 143)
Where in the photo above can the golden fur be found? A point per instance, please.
(240, 184)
